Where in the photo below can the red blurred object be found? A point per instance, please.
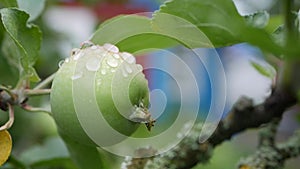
(70, 3)
(106, 10)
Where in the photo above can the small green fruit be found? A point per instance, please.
(117, 81)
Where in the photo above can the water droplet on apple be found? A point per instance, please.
(128, 69)
(103, 71)
(117, 56)
(78, 55)
(77, 75)
(112, 62)
(60, 63)
(111, 48)
(139, 67)
(129, 58)
(124, 73)
(93, 64)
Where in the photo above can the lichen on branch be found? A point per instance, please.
(244, 115)
(268, 156)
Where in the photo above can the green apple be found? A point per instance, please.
(120, 87)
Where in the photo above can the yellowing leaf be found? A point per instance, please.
(5, 146)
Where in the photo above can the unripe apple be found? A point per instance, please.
(120, 89)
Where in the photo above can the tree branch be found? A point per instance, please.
(267, 134)
(243, 115)
(273, 156)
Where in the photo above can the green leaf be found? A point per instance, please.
(33, 7)
(265, 70)
(262, 39)
(298, 94)
(131, 33)
(279, 36)
(298, 117)
(181, 30)
(259, 19)
(9, 3)
(194, 23)
(26, 40)
(144, 42)
(274, 22)
(291, 51)
(52, 153)
(297, 20)
(2, 33)
(84, 156)
(217, 19)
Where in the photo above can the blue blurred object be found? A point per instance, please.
(205, 71)
(150, 5)
(167, 74)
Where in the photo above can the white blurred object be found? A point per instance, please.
(242, 78)
(33, 7)
(76, 23)
(246, 7)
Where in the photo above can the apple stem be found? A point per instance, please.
(45, 82)
(37, 92)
